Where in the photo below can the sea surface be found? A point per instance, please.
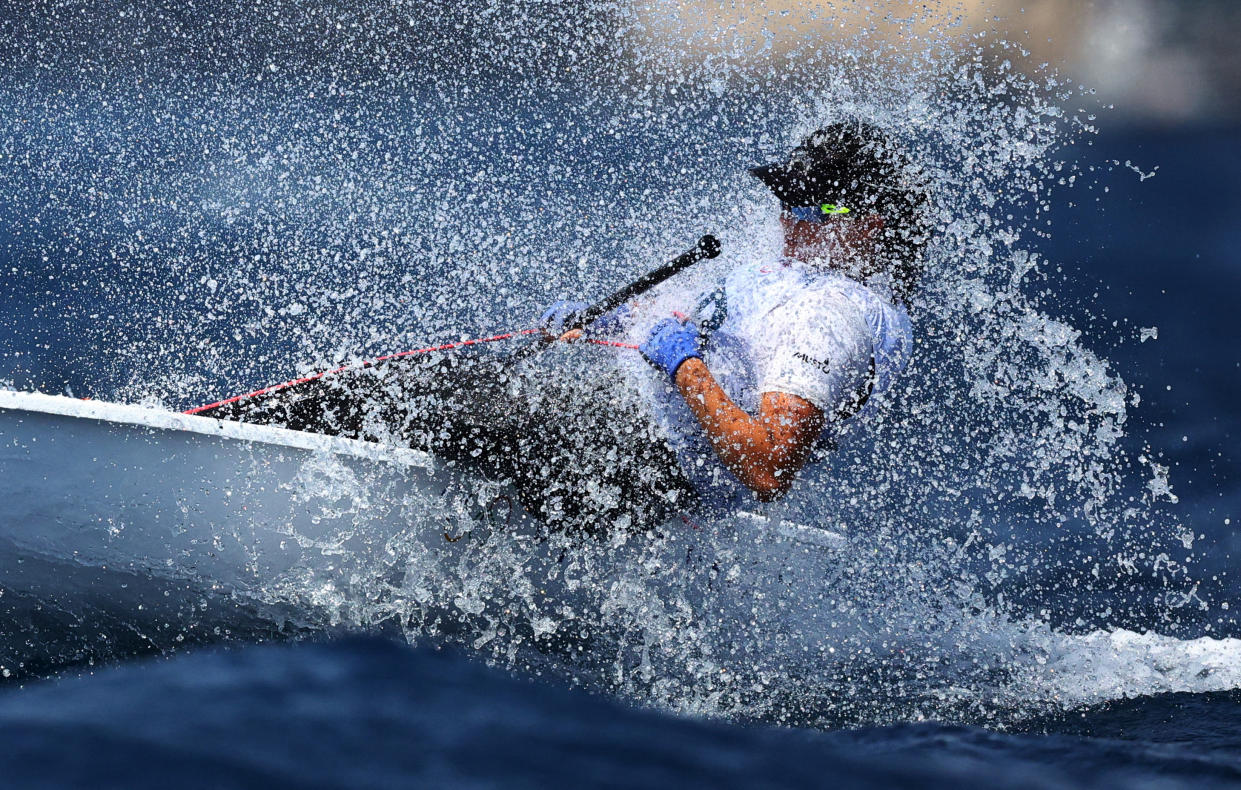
(371, 713)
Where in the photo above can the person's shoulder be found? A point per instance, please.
(749, 271)
(828, 297)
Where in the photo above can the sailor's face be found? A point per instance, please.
(841, 242)
(834, 232)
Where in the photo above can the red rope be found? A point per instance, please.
(371, 362)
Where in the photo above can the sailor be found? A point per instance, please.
(758, 378)
(761, 377)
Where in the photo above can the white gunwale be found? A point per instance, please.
(161, 420)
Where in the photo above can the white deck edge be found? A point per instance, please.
(158, 419)
(819, 536)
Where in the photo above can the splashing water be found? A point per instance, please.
(282, 189)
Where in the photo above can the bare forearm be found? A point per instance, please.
(763, 453)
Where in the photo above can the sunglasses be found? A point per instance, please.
(820, 213)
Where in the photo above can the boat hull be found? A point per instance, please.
(149, 491)
(144, 518)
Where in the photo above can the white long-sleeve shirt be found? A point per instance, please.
(781, 327)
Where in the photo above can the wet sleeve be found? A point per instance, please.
(822, 351)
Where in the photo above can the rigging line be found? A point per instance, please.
(372, 362)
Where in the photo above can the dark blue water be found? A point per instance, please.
(375, 714)
(1166, 253)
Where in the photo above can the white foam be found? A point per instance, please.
(1120, 664)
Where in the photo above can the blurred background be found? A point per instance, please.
(1155, 62)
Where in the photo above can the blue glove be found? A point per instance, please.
(554, 317)
(671, 343)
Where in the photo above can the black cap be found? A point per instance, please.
(851, 162)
